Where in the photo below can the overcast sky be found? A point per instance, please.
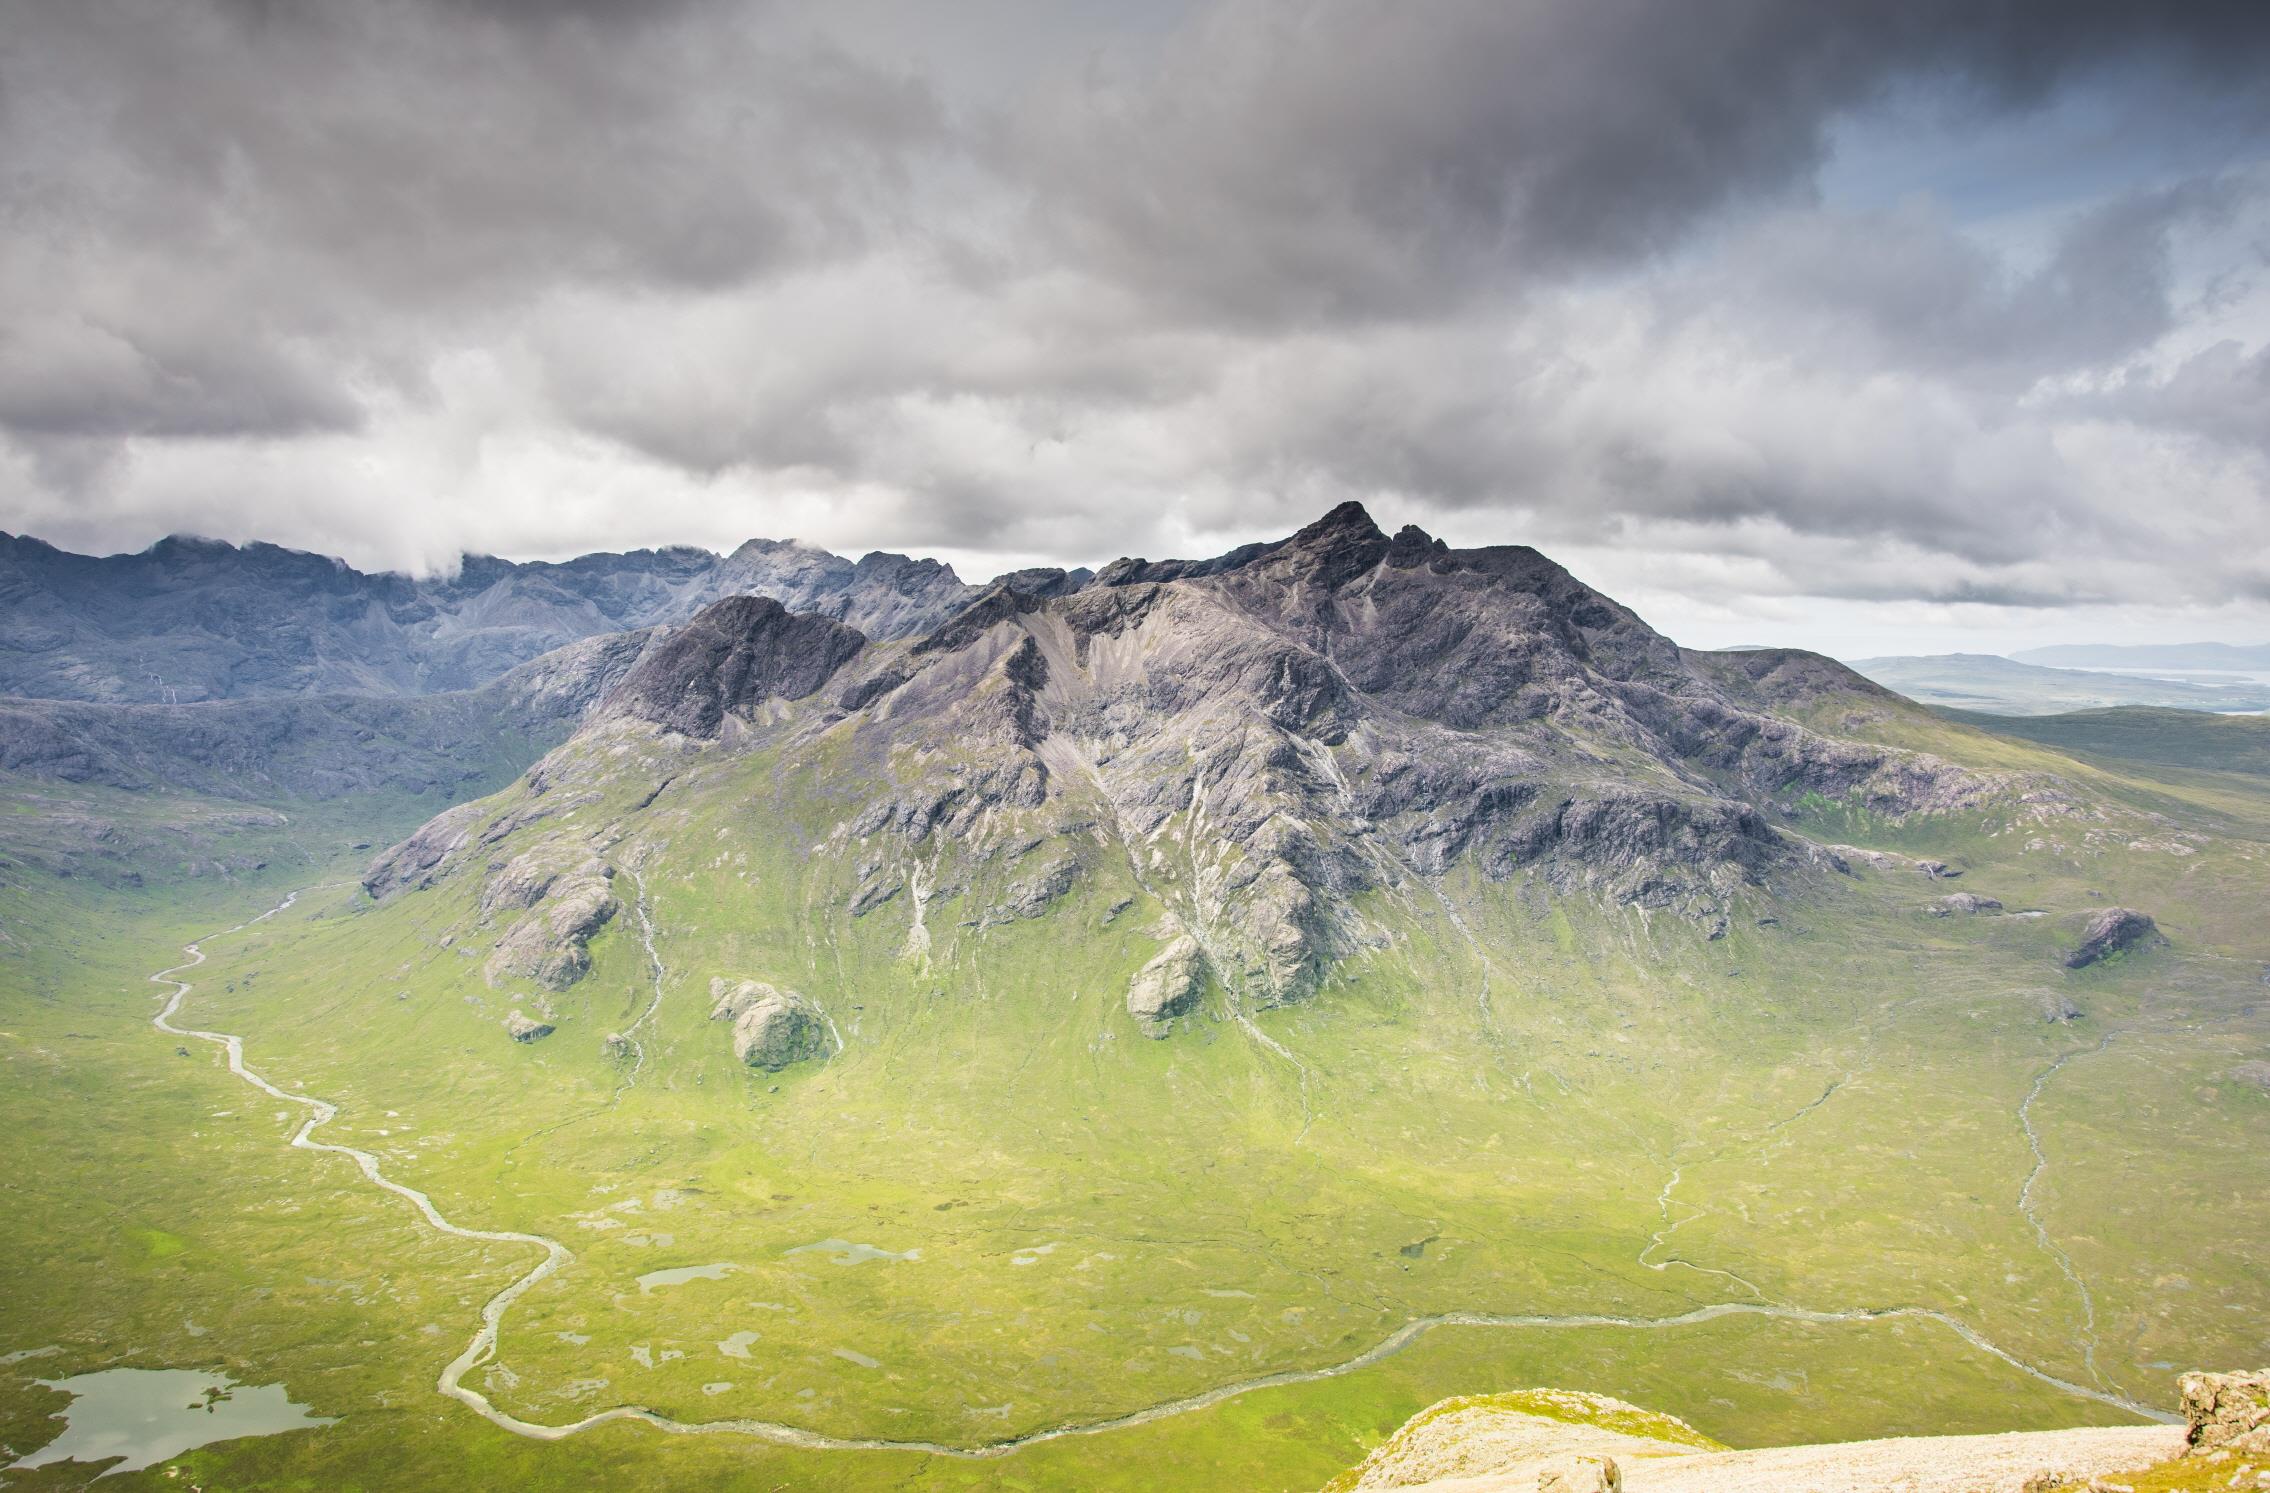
(1871, 327)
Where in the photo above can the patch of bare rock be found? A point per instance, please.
(1962, 903)
(772, 1028)
(2227, 1413)
(563, 903)
(2110, 931)
(1168, 986)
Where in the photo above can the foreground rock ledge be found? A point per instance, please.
(1559, 1441)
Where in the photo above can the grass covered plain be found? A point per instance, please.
(1029, 1216)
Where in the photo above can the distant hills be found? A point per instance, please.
(1996, 685)
(2208, 657)
(197, 619)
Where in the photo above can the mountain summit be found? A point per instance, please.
(1265, 750)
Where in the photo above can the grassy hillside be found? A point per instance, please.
(1522, 1103)
(2168, 738)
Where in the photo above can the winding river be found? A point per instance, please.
(557, 1255)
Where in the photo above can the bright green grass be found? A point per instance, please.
(1102, 1222)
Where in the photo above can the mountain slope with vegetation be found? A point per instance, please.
(1166, 1033)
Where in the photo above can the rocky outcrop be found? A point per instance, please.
(413, 863)
(2113, 931)
(772, 1028)
(730, 658)
(1545, 1439)
(1962, 903)
(2254, 1075)
(526, 1029)
(1580, 1474)
(551, 943)
(1168, 986)
(2226, 1413)
(1516, 1440)
(531, 876)
(2059, 1009)
(1030, 896)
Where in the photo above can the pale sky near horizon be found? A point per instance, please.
(1871, 328)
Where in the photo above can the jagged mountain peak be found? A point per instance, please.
(730, 659)
(1305, 723)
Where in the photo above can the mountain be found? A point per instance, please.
(192, 619)
(2179, 657)
(1156, 1029)
(2000, 686)
(320, 746)
(1314, 722)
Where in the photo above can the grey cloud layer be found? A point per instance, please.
(401, 276)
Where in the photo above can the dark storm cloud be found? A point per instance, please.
(1357, 158)
(400, 276)
(343, 174)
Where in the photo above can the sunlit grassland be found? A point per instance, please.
(1491, 1111)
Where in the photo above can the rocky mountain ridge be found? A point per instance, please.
(321, 746)
(193, 619)
(1268, 742)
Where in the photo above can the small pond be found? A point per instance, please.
(680, 1275)
(134, 1418)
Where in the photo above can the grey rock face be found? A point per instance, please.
(2113, 930)
(1270, 734)
(2253, 1074)
(413, 863)
(732, 657)
(1964, 903)
(526, 1029)
(551, 943)
(1030, 896)
(2060, 1009)
(772, 1028)
(192, 619)
(320, 747)
(1265, 738)
(1168, 986)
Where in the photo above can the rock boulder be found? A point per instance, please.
(2115, 930)
(772, 1028)
(550, 945)
(1168, 986)
(1581, 1475)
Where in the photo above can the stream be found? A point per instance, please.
(556, 1255)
